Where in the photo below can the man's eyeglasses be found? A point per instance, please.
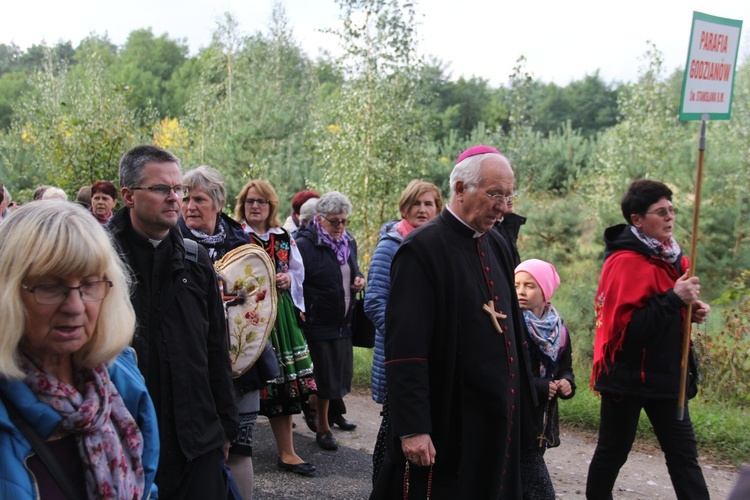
(163, 189)
(93, 291)
(500, 198)
(262, 202)
(662, 212)
(337, 222)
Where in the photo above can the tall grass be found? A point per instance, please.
(362, 367)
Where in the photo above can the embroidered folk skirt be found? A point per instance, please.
(284, 395)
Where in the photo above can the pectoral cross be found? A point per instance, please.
(489, 308)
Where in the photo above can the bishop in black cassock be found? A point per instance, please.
(457, 370)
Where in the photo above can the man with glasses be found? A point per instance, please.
(181, 338)
(458, 376)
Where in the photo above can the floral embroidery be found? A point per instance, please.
(598, 305)
(249, 303)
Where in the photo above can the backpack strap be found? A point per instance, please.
(191, 249)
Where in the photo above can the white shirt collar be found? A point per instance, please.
(476, 234)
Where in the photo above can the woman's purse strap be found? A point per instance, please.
(41, 449)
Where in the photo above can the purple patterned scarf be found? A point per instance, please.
(107, 437)
(340, 246)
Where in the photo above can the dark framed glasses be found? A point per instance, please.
(262, 202)
(337, 222)
(93, 291)
(163, 189)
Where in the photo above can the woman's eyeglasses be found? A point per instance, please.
(662, 212)
(337, 222)
(262, 202)
(93, 291)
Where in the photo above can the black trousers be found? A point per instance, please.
(617, 428)
(198, 479)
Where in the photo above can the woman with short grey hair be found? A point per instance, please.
(333, 203)
(332, 279)
(202, 218)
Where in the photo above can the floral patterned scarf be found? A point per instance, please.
(107, 437)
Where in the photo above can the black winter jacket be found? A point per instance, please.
(509, 228)
(181, 339)
(325, 316)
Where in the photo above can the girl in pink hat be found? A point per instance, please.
(551, 362)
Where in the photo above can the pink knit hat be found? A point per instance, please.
(544, 273)
(476, 150)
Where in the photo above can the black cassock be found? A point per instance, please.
(449, 372)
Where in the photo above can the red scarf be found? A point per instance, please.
(629, 279)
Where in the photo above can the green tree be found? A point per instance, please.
(592, 103)
(371, 141)
(9, 55)
(69, 131)
(12, 85)
(250, 112)
(564, 156)
(649, 141)
(96, 46)
(724, 231)
(146, 64)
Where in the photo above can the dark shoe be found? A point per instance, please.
(326, 440)
(304, 468)
(311, 418)
(344, 424)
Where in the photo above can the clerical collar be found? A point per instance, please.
(476, 234)
(144, 238)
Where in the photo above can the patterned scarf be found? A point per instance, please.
(108, 439)
(548, 334)
(668, 251)
(340, 246)
(210, 242)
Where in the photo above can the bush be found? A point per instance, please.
(724, 355)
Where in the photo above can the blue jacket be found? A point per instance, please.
(325, 317)
(378, 288)
(15, 480)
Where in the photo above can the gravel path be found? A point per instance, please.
(345, 474)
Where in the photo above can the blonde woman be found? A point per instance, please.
(65, 364)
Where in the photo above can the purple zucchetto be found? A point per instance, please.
(476, 150)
